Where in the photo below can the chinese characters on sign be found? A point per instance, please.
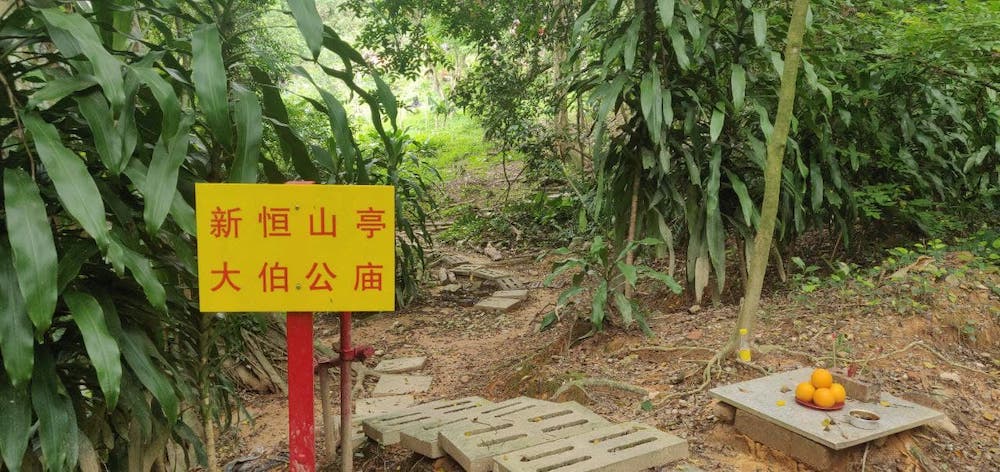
(268, 247)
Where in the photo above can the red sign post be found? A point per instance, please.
(291, 257)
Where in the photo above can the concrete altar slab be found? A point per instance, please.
(760, 396)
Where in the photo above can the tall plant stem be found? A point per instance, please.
(772, 175)
(633, 216)
(204, 391)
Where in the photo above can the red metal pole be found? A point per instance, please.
(301, 432)
(347, 353)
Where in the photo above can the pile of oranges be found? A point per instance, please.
(820, 390)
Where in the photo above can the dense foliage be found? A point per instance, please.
(109, 117)
(896, 118)
(683, 92)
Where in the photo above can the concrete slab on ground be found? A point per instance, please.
(497, 304)
(382, 405)
(401, 365)
(385, 427)
(474, 444)
(760, 396)
(401, 384)
(515, 294)
(614, 448)
(424, 439)
(805, 450)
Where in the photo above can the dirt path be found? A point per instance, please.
(502, 355)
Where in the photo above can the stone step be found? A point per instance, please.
(401, 384)
(473, 444)
(519, 294)
(615, 448)
(401, 365)
(385, 428)
(497, 304)
(425, 440)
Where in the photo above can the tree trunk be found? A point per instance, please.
(772, 174)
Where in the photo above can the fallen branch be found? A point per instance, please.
(599, 382)
(663, 349)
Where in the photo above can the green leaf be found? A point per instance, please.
(777, 63)
(337, 115)
(57, 428)
(599, 300)
(629, 272)
(81, 36)
(138, 352)
(15, 412)
(57, 89)
(72, 260)
(16, 340)
(714, 232)
(661, 277)
(179, 208)
(666, 10)
(746, 204)
(759, 27)
(142, 272)
(165, 97)
(386, 97)
(718, 120)
(680, 49)
(31, 243)
(309, 22)
(569, 293)
(101, 346)
(631, 43)
(646, 405)
(208, 73)
(161, 180)
(624, 308)
(816, 177)
(291, 146)
(547, 321)
(249, 131)
(738, 81)
(107, 138)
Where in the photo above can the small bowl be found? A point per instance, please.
(863, 419)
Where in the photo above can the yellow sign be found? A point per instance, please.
(264, 247)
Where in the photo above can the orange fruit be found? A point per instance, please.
(821, 378)
(824, 398)
(804, 391)
(839, 394)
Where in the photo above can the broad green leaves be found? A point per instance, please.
(161, 180)
(16, 340)
(57, 428)
(759, 27)
(71, 32)
(208, 74)
(738, 83)
(137, 352)
(32, 246)
(249, 131)
(15, 412)
(666, 10)
(74, 185)
(309, 23)
(101, 347)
